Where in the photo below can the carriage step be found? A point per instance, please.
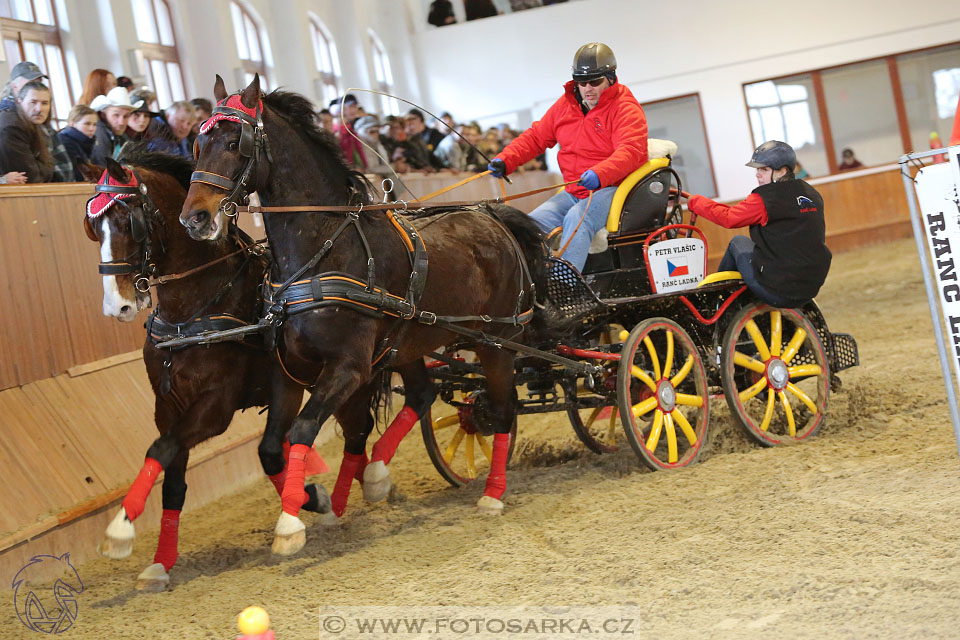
(845, 353)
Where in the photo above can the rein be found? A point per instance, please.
(256, 249)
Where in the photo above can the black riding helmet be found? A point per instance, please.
(594, 60)
(774, 154)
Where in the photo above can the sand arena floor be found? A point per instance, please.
(851, 535)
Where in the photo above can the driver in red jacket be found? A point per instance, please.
(602, 134)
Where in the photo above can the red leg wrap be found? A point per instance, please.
(167, 544)
(358, 476)
(387, 444)
(293, 495)
(341, 490)
(136, 497)
(278, 479)
(315, 463)
(497, 480)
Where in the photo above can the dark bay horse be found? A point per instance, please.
(478, 267)
(198, 389)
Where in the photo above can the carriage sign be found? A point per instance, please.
(938, 193)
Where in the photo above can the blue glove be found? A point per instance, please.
(589, 180)
(497, 167)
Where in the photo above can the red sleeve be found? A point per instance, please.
(743, 214)
(629, 145)
(532, 142)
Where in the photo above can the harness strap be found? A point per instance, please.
(177, 276)
(116, 268)
(159, 330)
(213, 179)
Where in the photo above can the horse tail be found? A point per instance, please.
(380, 399)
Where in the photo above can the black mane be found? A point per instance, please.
(298, 111)
(178, 167)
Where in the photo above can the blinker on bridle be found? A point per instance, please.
(139, 231)
(253, 142)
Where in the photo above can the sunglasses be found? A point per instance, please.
(592, 83)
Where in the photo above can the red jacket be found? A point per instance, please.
(611, 138)
(743, 214)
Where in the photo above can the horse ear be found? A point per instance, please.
(116, 170)
(251, 95)
(219, 89)
(90, 172)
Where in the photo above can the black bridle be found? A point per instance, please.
(253, 144)
(141, 228)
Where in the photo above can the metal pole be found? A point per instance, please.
(932, 299)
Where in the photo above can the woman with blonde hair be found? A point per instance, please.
(98, 83)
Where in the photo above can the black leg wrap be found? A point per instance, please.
(164, 449)
(174, 493)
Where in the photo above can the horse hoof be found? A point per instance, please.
(153, 579)
(118, 540)
(490, 506)
(376, 491)
(289, 536)
(329, 519)
(375, 472)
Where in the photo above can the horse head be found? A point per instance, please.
(230, 153)
(122, 218)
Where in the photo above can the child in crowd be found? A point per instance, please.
(78, 137)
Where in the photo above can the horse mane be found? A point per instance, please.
(299, 113)
(178, 167)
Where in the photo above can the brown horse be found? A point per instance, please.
(198, 389)
(353, 285)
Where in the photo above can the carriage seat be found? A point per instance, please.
(720, 276)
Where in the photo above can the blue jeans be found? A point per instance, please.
(566, 210)
(739, 257)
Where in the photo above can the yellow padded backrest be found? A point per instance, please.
(720, 276)
(616, 207)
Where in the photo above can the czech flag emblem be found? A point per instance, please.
(677, 267)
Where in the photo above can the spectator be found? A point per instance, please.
(451, 152)
(420, 135)
(113, 110)
(138, 122)
(352, 149)
(800, 173)
(168, 132)
(351, 109)
(490, 144)
(23, 143)
(480, 9)
(520, 5)
(445, 124)
(204, 109)
(850, 162)
(368, 128)
(14, 177)
(21, 74)
(326, 120)
(148, 96)
(126, 83)
(441, 13)
(78, 137)
(99, 83)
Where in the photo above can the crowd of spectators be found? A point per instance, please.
(408, 143)
(111, 113)
(441, 12)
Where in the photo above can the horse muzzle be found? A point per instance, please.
(201, 224)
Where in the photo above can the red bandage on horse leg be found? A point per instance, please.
(278, 479)
(341, 490)
(387, 444)
(293, 495)
(358, 476)
(167, 543)
(315, 463)
(136, 497)
(497, 480)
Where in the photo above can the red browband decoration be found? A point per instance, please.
(104, 201)
(235, 103)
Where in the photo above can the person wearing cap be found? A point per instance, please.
(24, 146)
(139, 119)
(602, 133)
(114, 110)
(785, 260)
(368, 128)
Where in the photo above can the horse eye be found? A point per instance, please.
(233, 146)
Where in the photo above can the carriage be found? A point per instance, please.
(663, 338)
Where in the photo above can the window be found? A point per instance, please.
(159, 46)
(250, 44)
(384, 76)
(681, 120)
(30, 32)
(326, 60)
(879, 108)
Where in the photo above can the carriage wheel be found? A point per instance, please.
(458, 451)
(775, 375)
(662, 394)
(597, 427)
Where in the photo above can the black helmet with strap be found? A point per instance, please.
(774, 154)
(593, 60)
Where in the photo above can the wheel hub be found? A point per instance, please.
(666, 396)
(777, 374)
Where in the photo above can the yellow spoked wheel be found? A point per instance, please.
(775, 375)
(596, 426)
(457, 449)
(662, 394)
